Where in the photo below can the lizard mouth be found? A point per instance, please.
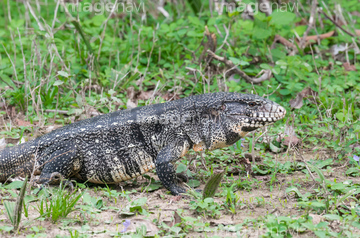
(259, 119)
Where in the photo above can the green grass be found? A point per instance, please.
(57, 67)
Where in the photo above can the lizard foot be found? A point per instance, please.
(176, 189)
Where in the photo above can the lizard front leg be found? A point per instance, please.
(164, 165)
(60, 163)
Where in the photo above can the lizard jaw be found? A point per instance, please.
(260, 119)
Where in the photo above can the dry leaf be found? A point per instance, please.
(175, 198)
(349, 67)
(170, 96)
(142, 95)
(130, 104)
(322, 36)
(316, 219)
(2, 143)
(151, 229)
(23, 123)
(177, 218)
(297, 102)
(291, 140)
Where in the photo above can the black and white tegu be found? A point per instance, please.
(125, 144)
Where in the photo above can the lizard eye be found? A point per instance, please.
(252, 104)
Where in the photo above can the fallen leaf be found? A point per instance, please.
(50, 128)
(336, 49)
(297, 102)
(21, 141)
(354, 146)
(303, 22)
(175, 198)
(349, 67)
(130, 91)
(316, 219)
(151, 229)
(177, 218)
(170, 96)
(145, 95)
(130, 104)
(321, 37)
(291, 140)
(2, 143)
(274, 148)
(23, 123)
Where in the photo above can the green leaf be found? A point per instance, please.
(140, 201)
(99, 204)
(295, 190)
(353, 171)
(300, 30)
(181, 168)
(6, 228)
(193, 183)
(195, 21)
(274, 148)
(63, 73)
(261, 34)
(284, 92)
(212, 185)
(10, 210)
(98, 19)
(14, 185)
(320, 234)
(19, 205)
(282, 18)
(333, 217)
(153, 187)
(235, 61)
(58, 82)
(340, 116)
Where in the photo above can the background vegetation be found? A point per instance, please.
(58, 66)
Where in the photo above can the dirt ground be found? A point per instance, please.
(161, 206)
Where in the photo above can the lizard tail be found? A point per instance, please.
(17, 161)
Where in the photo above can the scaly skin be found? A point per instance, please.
(125, 144)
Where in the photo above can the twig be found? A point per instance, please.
(283, 41)
(226, 36)
(267, 73)
(307, 167)
(6, 83)
(105, 25)
(78, 28)
(67, 112)
(12, 63)
(310, 25)
(151, 51)
(337, 24)
(312, 54)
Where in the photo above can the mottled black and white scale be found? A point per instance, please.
(125, 144)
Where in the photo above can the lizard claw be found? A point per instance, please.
(181, 177)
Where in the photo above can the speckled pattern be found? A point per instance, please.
(125, 144)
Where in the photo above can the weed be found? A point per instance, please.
(60, 204)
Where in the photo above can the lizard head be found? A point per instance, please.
(238, 114)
